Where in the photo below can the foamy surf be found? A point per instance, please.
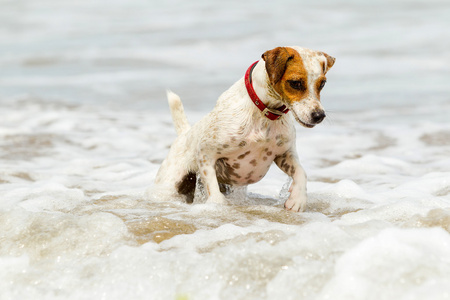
(76, 223)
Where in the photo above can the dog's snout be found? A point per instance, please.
(317, 116)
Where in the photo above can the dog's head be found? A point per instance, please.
(297, 75)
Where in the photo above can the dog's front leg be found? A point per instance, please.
(289, 164)
(209, 178)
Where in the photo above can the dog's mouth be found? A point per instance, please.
(303, 123)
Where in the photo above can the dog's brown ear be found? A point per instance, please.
(330, 61)
(276, 61)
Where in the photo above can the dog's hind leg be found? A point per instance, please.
(176, 109)
(173, 181)
(177, 174)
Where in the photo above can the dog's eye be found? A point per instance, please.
(322, 84)
(297, 85)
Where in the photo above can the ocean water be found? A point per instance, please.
(84, 126)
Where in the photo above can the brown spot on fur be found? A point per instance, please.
(253, 162)
(280, 143)
(242, 144)
(225, 146)
(265, 158)
(236, 165)
(281, 162)
(225, 173)
(286, 169)
(269, 153)
(243, 155)
(205, 172)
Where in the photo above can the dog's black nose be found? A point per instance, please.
(317, 116)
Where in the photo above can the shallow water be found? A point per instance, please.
(84, 127)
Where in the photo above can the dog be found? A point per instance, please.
(251, 126)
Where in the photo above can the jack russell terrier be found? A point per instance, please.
(249, 128)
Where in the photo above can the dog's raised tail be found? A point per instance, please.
(177, 110)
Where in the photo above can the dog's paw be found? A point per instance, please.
(298, 204)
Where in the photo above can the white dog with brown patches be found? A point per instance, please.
(251, 126)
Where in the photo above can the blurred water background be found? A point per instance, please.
(128, 52)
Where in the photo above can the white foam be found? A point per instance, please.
(402, 261)
(75, 222)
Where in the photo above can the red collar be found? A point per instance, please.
(271, 114)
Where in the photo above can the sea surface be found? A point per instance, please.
(84, 127)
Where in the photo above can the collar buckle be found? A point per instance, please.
(267, 111)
